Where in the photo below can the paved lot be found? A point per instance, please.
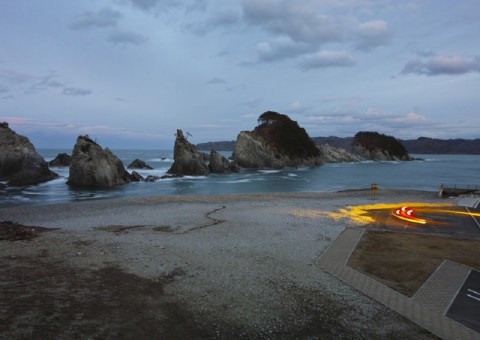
(427, 307)
(466, 306)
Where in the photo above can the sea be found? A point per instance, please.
(426, 172)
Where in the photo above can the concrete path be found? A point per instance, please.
(426, 308)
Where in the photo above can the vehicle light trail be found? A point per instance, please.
(408, 214)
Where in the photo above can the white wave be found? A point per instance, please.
(292, 175)
(163, 159)
(246, 180)
(269, 171)
(193, 177)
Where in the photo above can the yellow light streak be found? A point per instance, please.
(360, 214)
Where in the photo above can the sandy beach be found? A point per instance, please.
(222, 266)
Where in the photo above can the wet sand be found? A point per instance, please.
(220, 266)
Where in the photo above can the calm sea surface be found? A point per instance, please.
(427, 174)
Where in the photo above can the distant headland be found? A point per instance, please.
(421, 145)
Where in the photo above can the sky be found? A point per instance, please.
(129, 73)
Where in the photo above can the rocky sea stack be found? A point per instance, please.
(92, 166)
(139, 164)
(20, 164)
(62, 160)
(276, 142)
(188, 161)
(379, 147)
(219, 164)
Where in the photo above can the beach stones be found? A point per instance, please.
(20, 164)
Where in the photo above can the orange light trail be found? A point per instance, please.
(361, 214)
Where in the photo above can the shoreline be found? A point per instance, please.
(216, 266)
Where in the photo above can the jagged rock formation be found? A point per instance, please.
(92, 166)
(139, 164)
(20, 164)
(136, 177)
(277, 142)
(187, 161)
(219, 164)
(332, 154)
(62, 160)
(379, 147)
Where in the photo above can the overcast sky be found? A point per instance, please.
(131, 72)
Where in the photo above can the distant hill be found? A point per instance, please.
(219, 146)
(442, 146)
(422, 145)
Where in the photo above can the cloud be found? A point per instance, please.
(225, 17)
(280, 48)
(216, 81)
(44, 83)
(297, 107)
(74, 91)
(14, 78)
(22, 83)
(372, 34)
(123, 37)
(325, 59)
(253, 103)
(3, 89)
(162, 5)
(370, 119)
(442, 65)
(147, 5)
(105, 18)
(299, 20)
(298, 28)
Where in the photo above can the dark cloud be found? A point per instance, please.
(44, 83)
(74, 91)
(3, 89)
(122, 37)
(14, 78)
(105, 18)
(442, 65)
(147, 5)
(216, 81)
(325, 59)
(155, 5)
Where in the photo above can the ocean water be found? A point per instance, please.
(426, 174)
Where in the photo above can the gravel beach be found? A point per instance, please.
(220, 266)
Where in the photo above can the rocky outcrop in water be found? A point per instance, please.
(277, 142)
(219, 164)
(332, 154)
(20, 164)
(187, 160)
(139, 164)
(62, 160)
(379, 147)
(92, 166)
